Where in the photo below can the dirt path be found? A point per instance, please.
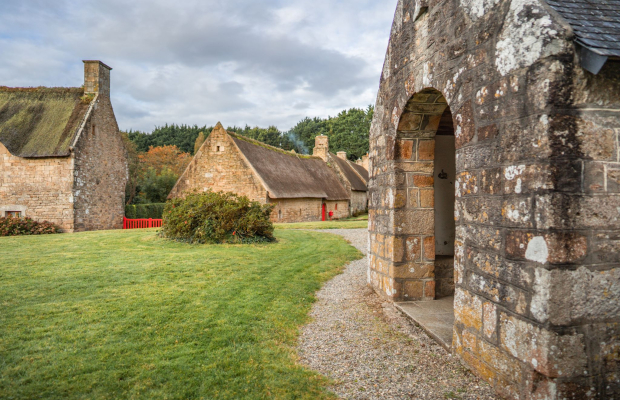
(371, 351)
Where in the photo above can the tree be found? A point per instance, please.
(133, 168)
(162, 157)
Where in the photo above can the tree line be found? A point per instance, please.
(158, 158)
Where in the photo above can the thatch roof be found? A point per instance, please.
(289, 175)
(361, 171)
(40, 122)
(346, 167)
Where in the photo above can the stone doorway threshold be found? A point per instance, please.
(436, 317)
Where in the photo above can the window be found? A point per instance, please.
(336, 206)
(14, 214)
(279, 214)
(93, 129)
(218, 149)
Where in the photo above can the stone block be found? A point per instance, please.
(606, 247)
(426, 150)
(429, 247)
(487, 132)
(553, 248)
(467, 309)
(409, 122)
(413, 290)
(412, 270)
(545, 351)
(564, 211)
(465, 128)
(413, 248)
(491, 181)
(489, 318)
(414, 222)
(517, 211)
(421, 181)
(404, 149)
(427, 198)
(466, 184)
(429, 290)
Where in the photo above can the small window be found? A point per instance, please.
(279, 214)
(93, 129)
(336, 206)
(218, 149)
(14, 214)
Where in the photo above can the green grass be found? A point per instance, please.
(340, 224)
(125, 314)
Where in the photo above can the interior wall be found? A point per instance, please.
(445, 172)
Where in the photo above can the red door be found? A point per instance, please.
(323, 212)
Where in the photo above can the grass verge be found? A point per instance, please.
(339, 224)
(125, 314)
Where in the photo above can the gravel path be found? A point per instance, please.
(370, 350)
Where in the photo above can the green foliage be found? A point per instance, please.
(154, 210)
(348, 131)
(11, 226)
(127, 315)
(182, 136)
(217, 217)
(153, 187)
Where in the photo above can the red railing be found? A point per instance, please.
(141, 223)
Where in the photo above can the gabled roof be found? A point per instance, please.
(361, 171)
(346, 167)
(596, 23)
(289, 175)
(41, 122)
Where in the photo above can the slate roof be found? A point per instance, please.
(596, 23)
(346, 167)
(40, 122)
(287, 175)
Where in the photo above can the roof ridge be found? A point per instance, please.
(31, 89)
(268, 146)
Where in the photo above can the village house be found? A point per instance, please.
(62, 158)
(353, 177)
(516, 104)
(302, 188)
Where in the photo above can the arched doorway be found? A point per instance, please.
(425, 162)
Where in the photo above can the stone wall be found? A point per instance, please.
(537, 224)
(100, 171)
(296, 210)
(339, 208)
(40, 188)
(359, 201)
(219, 166)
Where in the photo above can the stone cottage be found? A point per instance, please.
(303, 188)
(62, 158)
(516, 105)
(353, 177)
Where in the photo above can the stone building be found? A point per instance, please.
(516, 104)
(303, 188)
(62, 158)
(353, 177)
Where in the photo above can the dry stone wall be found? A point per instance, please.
(537, 221)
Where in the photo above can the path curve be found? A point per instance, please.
(370, 350)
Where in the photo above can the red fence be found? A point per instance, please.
(141, 223)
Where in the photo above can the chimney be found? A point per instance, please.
(342, 154)
(365, 162)
(321, 147)
(96, 77)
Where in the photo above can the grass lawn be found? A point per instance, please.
(339, 224)
(124, 314)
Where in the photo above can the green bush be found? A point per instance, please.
(11, 226)
(155, 210)
(217, 217)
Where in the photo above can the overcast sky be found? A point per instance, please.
(202, 61)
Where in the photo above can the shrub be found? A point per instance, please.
(217, 217)
(154, 210)
(11, 226)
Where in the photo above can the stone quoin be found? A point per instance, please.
(494, 177)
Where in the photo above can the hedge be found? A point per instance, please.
(154, 210)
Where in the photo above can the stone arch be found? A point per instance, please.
(416, 272)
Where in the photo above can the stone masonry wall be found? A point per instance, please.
(359, 201)
(296, 210)
(40, 188)
(537, 299)
(100, 171)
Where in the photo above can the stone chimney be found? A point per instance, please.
(342, 154)
(321, 147)
(365, 162)
(96, 77)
